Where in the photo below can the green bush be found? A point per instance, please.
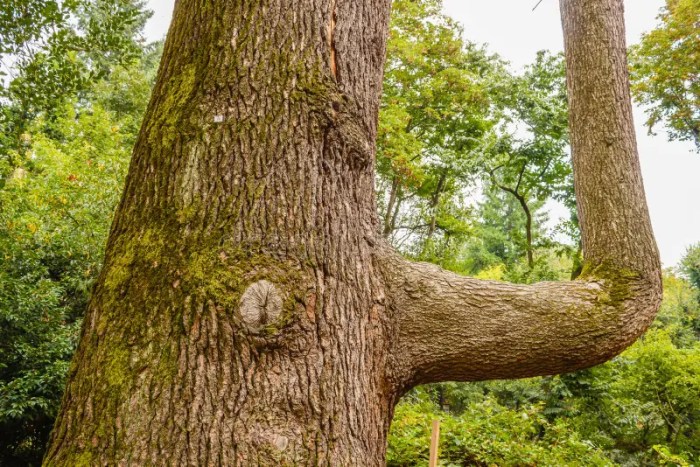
(55, 212)
(487, 433)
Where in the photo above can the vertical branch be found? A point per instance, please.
(615, 224)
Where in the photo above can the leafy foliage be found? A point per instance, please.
(54, 51)
(665, 67)
(486, 433)
(435, 110)
(54, 218)
(455, 125)
(649, 399)
(690, 265)
(528, 158)
(57, 194)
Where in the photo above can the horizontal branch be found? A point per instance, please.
(455, 328)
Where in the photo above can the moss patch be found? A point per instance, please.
(145, 248)
(221, 276)
(617, 282)
(173, 107)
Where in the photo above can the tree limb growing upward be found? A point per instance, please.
(456, 328)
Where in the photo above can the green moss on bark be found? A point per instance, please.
(173, 108)
(221, 276)
(617, 282)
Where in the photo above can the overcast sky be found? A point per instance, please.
(511, 29)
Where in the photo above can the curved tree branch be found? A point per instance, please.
(452, 327)
(456, 328)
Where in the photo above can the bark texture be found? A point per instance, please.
(252, 177)
(249, 312)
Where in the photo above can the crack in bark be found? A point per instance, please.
(331, 39)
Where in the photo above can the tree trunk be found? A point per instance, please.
(249, 313)
(528, 222)
(254, 163)
(528, 232)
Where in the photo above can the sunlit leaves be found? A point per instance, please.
(435, 109)
(666, 71)
(62, 168)
(52, 52)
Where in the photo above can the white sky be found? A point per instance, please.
(514, 31)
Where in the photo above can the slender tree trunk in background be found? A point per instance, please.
(397, 209)
(528, 233)
(249, 313)
(522, 200)
(434, 202)
(528, 223)
(389, 214)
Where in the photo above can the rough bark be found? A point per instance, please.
(249, 312)
(456, 328)
(255, 162)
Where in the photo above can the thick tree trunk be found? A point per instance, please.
(249, 313)
(255, 162)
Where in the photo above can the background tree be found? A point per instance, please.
(54, 51)
(245, 263)
(53, 222)
(451, 114)
(435, 109)
(665, 71)
(57, 196)
(528, 158)
(690, 265)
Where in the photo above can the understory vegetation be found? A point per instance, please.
(471, 158)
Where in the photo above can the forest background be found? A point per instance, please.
(472, 158)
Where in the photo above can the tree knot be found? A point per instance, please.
(261, 304)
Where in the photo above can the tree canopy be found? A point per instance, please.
(665, 68)
(54, 51)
